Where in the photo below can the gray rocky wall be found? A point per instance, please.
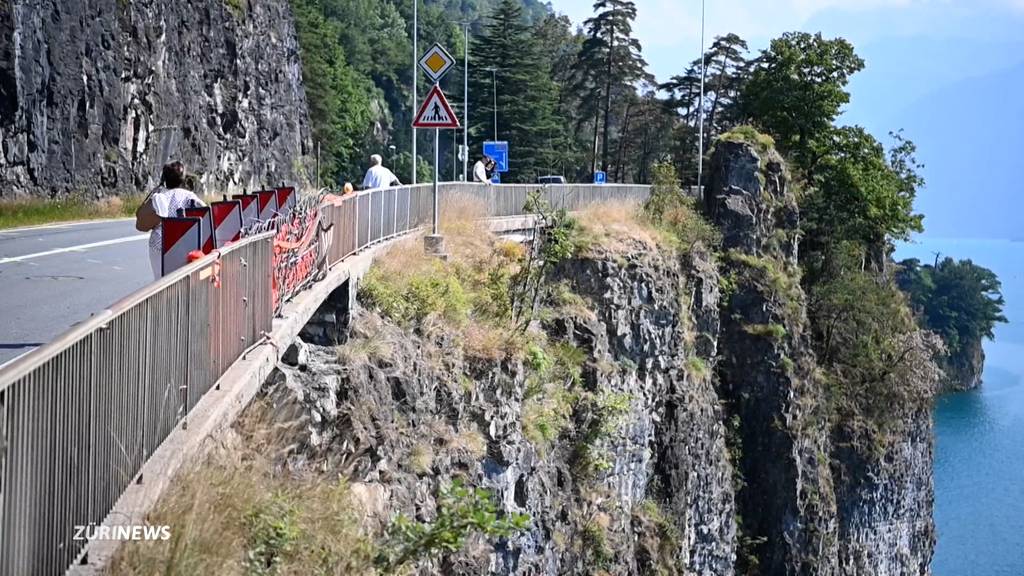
(96, 95)
(725, 459)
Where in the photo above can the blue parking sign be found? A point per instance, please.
(600, 177)
(498, 151)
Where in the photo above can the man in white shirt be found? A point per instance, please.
(378, 176)
(164, 204)
(481, 170)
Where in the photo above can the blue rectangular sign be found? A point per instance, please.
(600, 177)
(498, 150)
(496, 178)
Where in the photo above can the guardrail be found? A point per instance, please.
(82, 414)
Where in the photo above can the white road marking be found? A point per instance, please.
(91, 261)
(78, 248)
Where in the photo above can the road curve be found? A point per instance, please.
(52, 277)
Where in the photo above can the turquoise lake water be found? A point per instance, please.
(979, 453)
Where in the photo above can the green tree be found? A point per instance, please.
(527, 98)
(798, 88)
(858, 198)
(338, 96)
(609, 62)
(726, 64)
(958, 300)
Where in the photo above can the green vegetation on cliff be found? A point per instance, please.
(958, 300)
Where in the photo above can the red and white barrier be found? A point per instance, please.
(250, 209)
(227, 221)
(179, 237)
(286, 199)
(268, 204)
(206, 228)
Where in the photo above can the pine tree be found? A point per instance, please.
(725, 65)
(609, 60)
(506, 55)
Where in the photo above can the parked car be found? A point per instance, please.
(551, 180)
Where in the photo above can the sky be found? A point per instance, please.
(948, 72)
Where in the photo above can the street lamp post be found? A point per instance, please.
(700, 144)
(415, 76)
(465, 105)
(494, 80)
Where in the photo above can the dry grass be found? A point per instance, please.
(472, 442)
(35, 211)
(421, 457)
(609, 224)
(237, 514)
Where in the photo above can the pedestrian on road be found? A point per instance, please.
(378, 176)
(482, 170)
(163, 202)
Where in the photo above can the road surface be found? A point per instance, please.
(52, 277)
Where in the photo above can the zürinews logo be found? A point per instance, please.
(136, 532)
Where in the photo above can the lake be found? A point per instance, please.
(979, 452)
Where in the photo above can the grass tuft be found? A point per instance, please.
(35, 211)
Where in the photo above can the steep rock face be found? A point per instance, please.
(962, 370)
(96, 96)
(818, 495)
(767, 371)
(886, 501)
(405, 413)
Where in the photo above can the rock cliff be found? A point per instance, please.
(963, 370)
(675, 421)
(96, 96)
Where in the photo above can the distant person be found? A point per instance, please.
(482, 170)
(163, 202)
(378, 176)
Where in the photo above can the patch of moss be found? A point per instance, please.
(775, 332)
(696, 367)
(762, 143)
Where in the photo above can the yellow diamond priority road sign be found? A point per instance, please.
(436, 62)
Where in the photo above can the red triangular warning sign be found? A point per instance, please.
(435, 112)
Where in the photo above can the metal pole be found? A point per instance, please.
(437, 172)
(415, 76)
(465, 107)
(317, 164)
(700, 144)
(494, 78)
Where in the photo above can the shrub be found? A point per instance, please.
(670, 210)
(461, 512)
(272, 533)
(595, 545)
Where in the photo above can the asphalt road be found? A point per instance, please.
(52, 277)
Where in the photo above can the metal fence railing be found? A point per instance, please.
(81, 415)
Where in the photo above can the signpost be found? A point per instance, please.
(497, 151)
(436, 113)
(600, 177)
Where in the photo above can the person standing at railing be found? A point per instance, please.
(164, 201)
(378, 176)
(482, 170)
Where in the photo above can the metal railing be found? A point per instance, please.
(81, 415)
